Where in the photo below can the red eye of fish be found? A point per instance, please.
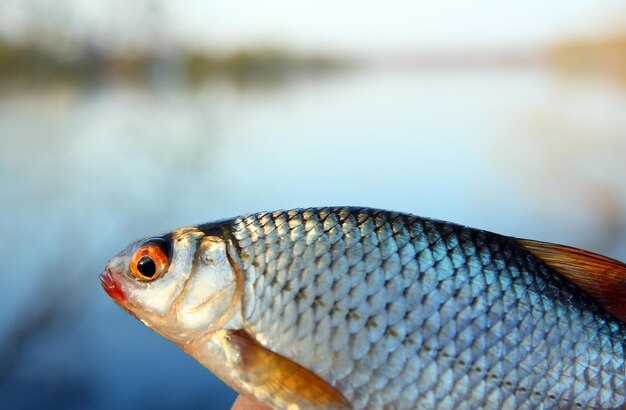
(148, 262)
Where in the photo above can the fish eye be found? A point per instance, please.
(148, 262)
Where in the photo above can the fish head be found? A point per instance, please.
(183, 284)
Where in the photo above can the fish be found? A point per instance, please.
(360, 308)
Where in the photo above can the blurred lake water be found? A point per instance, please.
(84, 171)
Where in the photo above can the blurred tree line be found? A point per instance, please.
(52, 41)
(601, 57)
(27, 62)
(56, 41)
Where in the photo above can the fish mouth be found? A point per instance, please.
(111, 287)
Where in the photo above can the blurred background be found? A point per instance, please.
(122, 119)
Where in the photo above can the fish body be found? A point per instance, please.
(363, 308)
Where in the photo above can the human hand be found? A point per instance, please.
(244, 403)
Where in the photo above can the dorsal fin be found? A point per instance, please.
(281, 379)
(602, 278)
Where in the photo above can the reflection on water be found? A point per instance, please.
(84, 172)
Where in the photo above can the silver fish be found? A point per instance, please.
(363, 308)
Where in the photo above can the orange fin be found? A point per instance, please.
(282, 380)
(602, 278)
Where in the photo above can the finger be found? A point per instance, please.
(244, 403)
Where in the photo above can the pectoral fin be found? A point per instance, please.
(602, 278)
(280, 379)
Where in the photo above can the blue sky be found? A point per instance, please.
(342, 25)
(397, 24)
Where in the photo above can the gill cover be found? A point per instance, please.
(213, 288)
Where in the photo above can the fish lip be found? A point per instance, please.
(111, 287)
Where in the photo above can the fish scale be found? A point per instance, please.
(424, 313)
